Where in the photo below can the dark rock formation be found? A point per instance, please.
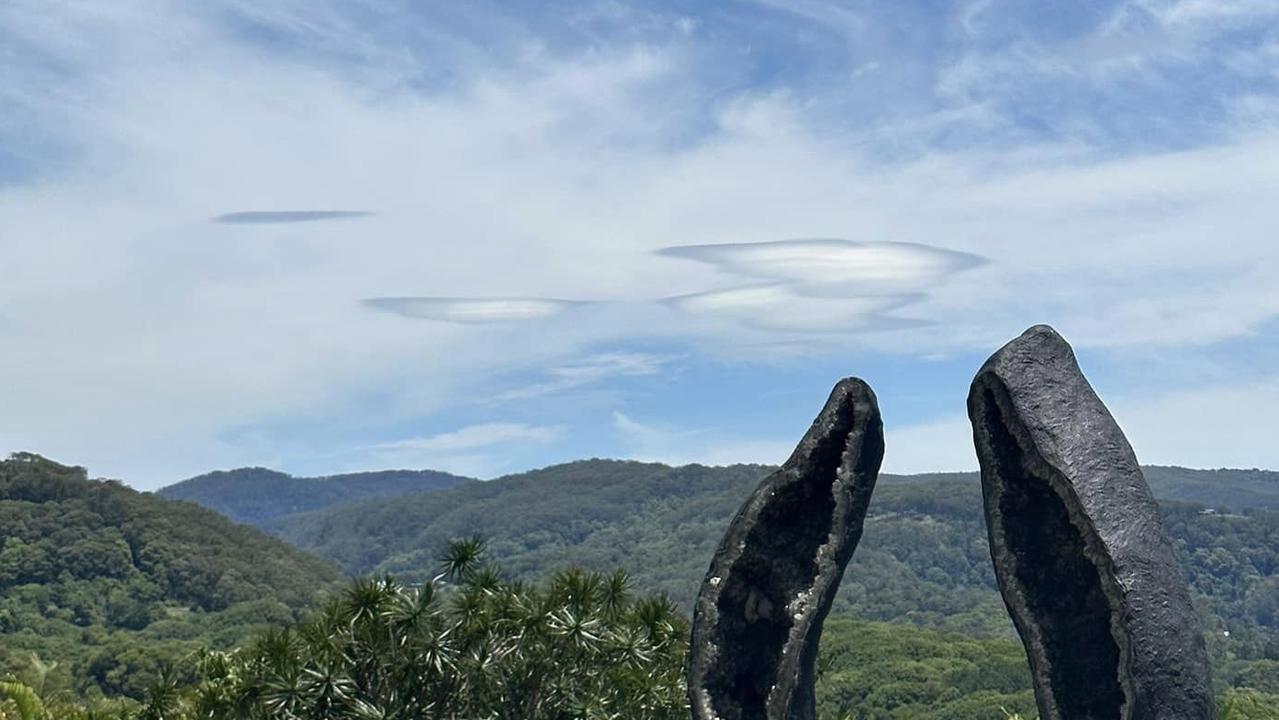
(1082, 559)
(759, 614)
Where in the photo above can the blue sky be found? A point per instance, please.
(483, 237)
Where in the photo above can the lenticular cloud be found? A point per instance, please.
(834, 268)
(774, 307)
(275, 217)
(471, 310)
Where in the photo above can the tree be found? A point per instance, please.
(465, 644)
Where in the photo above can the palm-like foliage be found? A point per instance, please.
(24, 699)
(468, 644)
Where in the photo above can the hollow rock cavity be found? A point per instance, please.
(1080, 553)
(758, 617)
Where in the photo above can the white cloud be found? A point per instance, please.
(776, 307)
(604, 365)
(1133, 65)
(589, 370)
(472, 437)
(471, 310)
(650, 442)
(742, 299)
(833, 267)
(1192, 12)
(645, 438)
(823, 285)
(481, 451)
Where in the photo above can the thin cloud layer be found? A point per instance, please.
(588, 371)
(471, 310)
(833, 267)
(677, 445)
(482, 450)
(273, 217)
(473, 437)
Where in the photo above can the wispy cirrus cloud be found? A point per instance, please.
(1207, 15)
(480, 450)
(1116, 64)
(675, 445)
(472, 310)
(589, 370)
(473, 437)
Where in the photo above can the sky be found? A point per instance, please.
(483, 237)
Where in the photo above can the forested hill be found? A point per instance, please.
(256, 495)
(923, 557)
(545, 513)
(110, 583)
(1222, 489)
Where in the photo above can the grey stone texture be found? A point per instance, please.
(1080, 553)
(759, 614)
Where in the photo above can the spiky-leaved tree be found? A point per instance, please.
(468, 644)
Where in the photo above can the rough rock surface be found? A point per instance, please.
(759, 614)
(1079, 549)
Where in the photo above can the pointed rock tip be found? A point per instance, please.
(1038, 338)
(1038, 343)
(855, 387)
(1041, 332)
(850, 396)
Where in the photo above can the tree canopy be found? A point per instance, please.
(107, 584)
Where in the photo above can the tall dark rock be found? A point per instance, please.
(759, 614)
(1079, 549)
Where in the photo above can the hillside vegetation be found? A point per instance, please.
(257, 495)
(105, 592)
(101, 585)
(923, 558)
(579, 645)
(263, 498)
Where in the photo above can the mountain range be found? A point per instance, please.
(263, 498)
(923, 557)
(256, 495)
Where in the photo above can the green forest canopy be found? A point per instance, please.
(109, 583)
(923, 557)
(468, 643)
